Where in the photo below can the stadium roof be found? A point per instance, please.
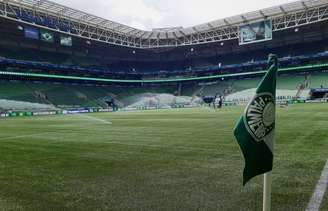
(168, 37)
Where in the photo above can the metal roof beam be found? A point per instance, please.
(282, 10)
(262, 13)
(226, 22)
(304, 5)
(283, 17)
(244, 19)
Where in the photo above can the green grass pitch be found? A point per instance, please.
(183, 159)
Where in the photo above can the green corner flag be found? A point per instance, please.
(255, 129)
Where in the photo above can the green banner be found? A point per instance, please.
(12, 114)
(29, 114)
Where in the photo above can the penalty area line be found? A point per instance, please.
(95, 119)
(319, 192)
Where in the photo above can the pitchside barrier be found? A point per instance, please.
(48, 113)
(99, 110)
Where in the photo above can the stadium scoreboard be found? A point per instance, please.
(255, 32)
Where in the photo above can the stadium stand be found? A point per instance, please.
(69, 95)
(50, 60)
(8, 105)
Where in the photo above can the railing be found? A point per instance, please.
(108, 80)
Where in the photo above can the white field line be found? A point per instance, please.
(95, 119)
(23, 136)
(319, 191)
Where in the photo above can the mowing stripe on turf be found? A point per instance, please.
(161, 146)
(319, 191)
(95, 119)
(23, 136)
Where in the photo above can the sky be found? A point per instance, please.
(149, 14)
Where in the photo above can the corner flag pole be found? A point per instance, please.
(267, 182)
(267, 191)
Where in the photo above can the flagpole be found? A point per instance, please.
(267, 191)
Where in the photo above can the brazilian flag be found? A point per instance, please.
(47, 36)
(255, 129)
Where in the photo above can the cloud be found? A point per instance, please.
(135, 9)
(137, 25)
(136, 13)
(148, 14)
(189, 13)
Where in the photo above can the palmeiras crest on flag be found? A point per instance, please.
(259, 116)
